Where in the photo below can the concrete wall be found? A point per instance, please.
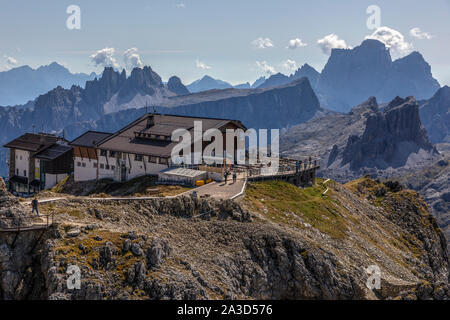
(52, 179)
(84, 169)
(22, 163)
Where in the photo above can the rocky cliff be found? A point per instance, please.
(281, 242)
(435, 115)
(389, 137)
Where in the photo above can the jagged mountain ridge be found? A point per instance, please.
(22, 84)
(281, 79)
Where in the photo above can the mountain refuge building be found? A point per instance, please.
(38, 161)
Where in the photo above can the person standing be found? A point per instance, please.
(34, 206)
(226, 176)
(234, 176)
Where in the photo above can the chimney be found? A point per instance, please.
(150, 121)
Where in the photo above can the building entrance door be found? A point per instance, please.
(123, 173)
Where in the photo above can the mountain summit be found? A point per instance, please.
(352, 75)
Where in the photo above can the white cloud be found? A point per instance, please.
(105, 58)
(296, 43)
(201, 65)
(265, 67)
(419, 34)
(132, 59)
(180, 5)
(289, 65)
(262, 43)
(11, 61)
(330, 42)
(393, 40)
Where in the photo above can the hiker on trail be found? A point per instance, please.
(297, 166)
(226, 176)
(34, 206)
(234, 176)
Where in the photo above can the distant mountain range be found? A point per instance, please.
(22, 84)
(208, 83)
(281, 79)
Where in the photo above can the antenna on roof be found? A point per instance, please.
(146, 107)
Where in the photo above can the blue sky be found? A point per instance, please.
(190, 38)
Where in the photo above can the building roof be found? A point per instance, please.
(184, 172)
(125, 140)
(53, 152)
(90, 139)
(33, 141)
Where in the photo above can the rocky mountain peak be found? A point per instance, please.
(175, 85)
(351, 75)
(390, 136)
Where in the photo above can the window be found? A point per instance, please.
(95, 165)
(83, 164)
(163, 160)
(20, 157)
(78, 164)
(103, 153)
(107, 167)
(113, 167)
(24, 173)
(153, 159)
(102, 166)
(138, 157)
(17, 172)
(112, 154)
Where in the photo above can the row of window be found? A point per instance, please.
(137, 157)
(102, 165)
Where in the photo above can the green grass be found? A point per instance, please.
(281, 202)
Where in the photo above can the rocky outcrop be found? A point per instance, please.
(175, 85)
(389, 137)
(352, 75)
(435, 115)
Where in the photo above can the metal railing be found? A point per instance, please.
(27, 223)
